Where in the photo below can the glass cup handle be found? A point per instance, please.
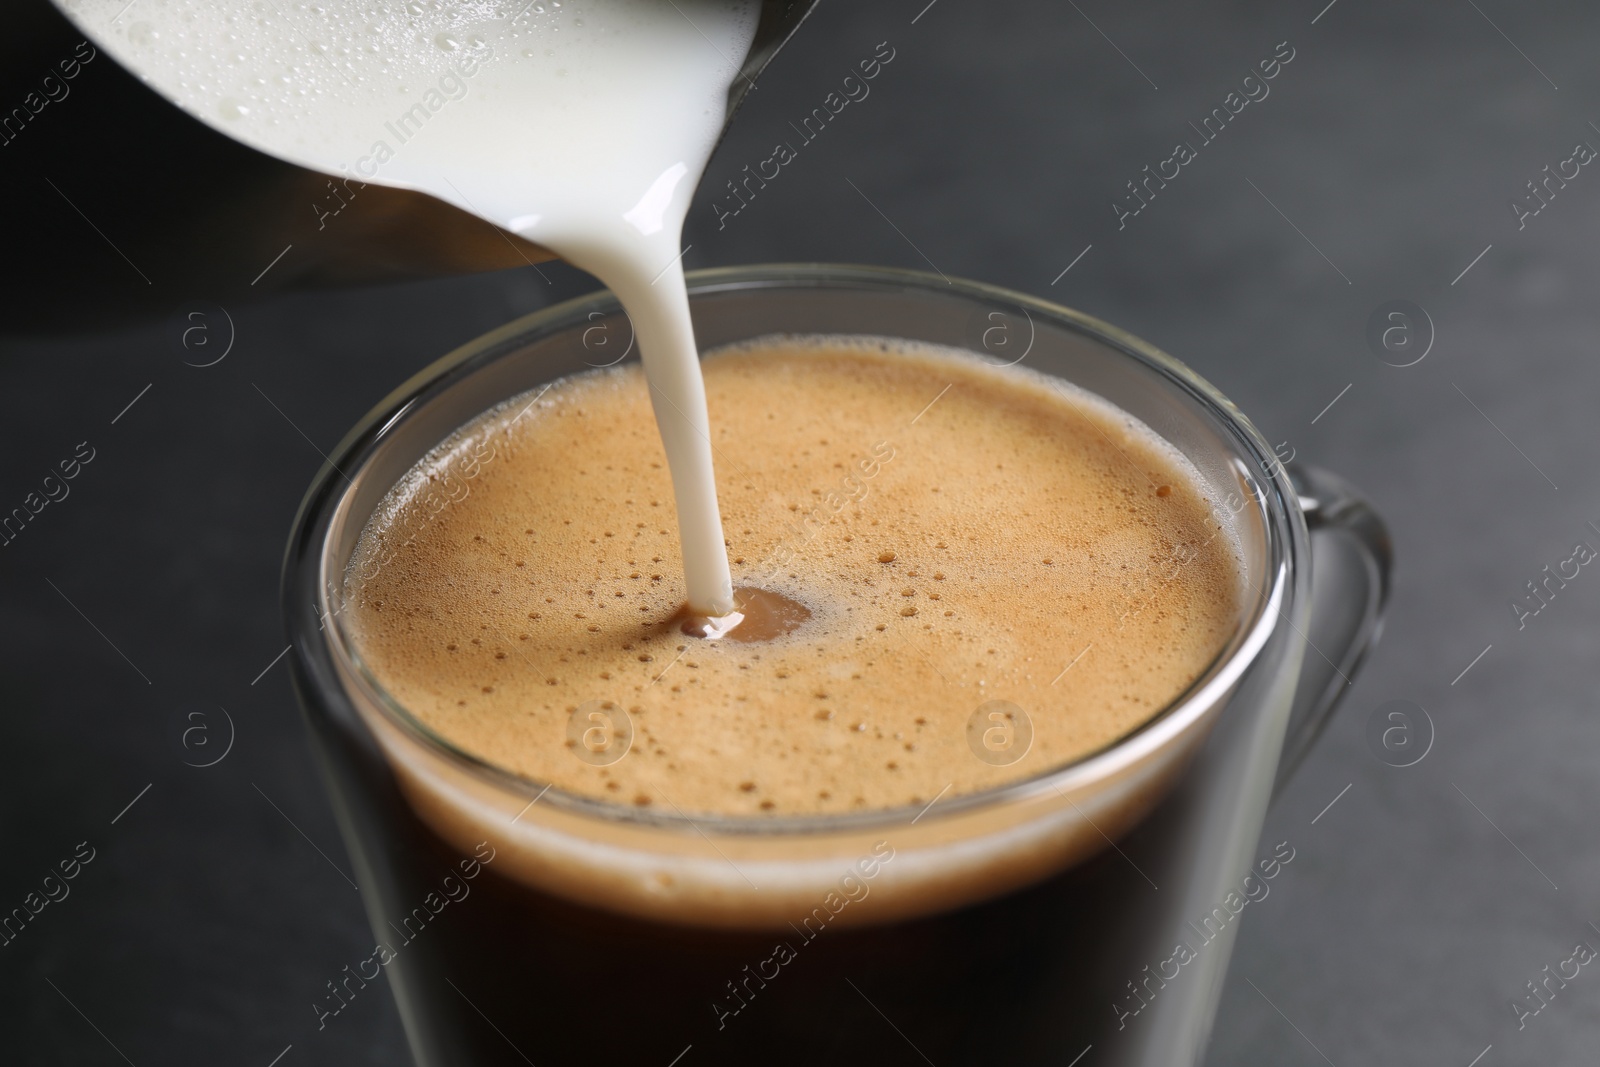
(1351, 559)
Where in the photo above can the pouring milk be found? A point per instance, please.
(581, 125)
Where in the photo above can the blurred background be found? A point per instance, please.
(147, 716)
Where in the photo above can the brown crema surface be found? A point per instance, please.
(959, 533)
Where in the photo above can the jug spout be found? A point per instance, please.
(180, 211)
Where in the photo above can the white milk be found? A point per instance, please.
(583, 125)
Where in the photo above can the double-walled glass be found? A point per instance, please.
(517, 923)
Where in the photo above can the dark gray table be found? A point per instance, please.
(1381, 166)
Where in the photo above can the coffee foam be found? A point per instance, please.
(961, 533)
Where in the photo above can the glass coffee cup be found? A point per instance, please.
(517, 923)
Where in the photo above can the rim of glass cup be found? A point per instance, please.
(309, 572)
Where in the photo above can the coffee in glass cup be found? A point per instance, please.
(711, 847)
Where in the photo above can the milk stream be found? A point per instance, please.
(582, 125)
